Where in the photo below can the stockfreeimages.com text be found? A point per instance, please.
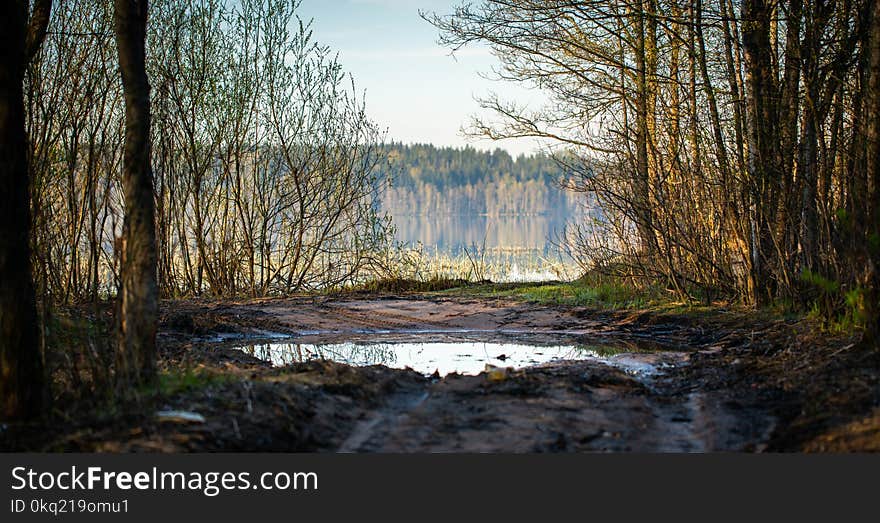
(209, 483)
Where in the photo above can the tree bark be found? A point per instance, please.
(763, 140)
(642, 183)
(788, 214)
(872, 120)
(21, 364)
(136, 350)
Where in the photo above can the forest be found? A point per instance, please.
(427, 180)
(176, 170)
(443, 167)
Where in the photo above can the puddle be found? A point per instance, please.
(236, 336)
(463, 357)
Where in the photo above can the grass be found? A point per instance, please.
(178, 381)
(583, 292)
(79, 357)
(400, 285)
(607, 351)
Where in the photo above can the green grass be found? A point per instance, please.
(578, 293)
(392, 285)
(584, 293)
(607, 351)
(178, 381)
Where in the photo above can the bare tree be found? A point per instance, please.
(873, 173)
(21, 368)
(136, 351)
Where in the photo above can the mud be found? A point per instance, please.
(726, 381)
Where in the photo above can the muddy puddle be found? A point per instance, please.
(441, 355)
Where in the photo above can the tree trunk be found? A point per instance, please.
(720, 147)
(763, 141)
(733, 81)
(21, 364)
(136, 350)
(788, 214)
(872, 120)
(642, 183)
(807, 177)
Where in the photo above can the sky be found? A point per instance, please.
(414, 87)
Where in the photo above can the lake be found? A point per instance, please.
(514, 247)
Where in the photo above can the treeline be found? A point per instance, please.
(445, 167)
(430, 180)
(262, 155)
(733, 145)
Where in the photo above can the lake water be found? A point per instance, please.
(453, 233)
(513, 247)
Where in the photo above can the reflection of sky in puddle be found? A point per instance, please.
(461, 357)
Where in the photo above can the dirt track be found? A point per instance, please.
(333, 318)
(730, 381)
(572, 406)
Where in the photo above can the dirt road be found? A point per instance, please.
(721, 381)
(566, 406)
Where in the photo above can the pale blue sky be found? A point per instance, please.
(413, 86)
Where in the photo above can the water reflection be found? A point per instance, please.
(443, 357)
(450, 234)
(511, 247)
